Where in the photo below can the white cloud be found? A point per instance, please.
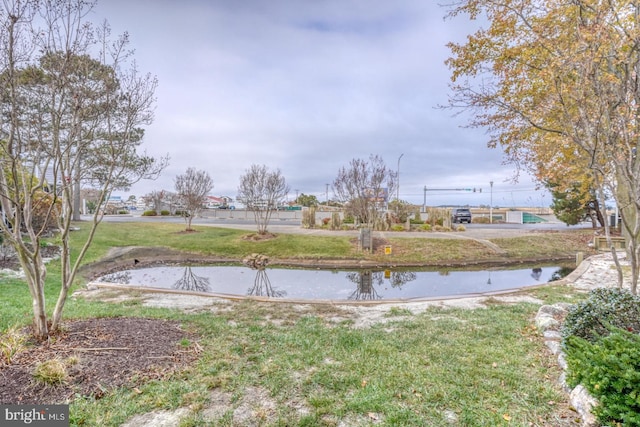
(304, 86)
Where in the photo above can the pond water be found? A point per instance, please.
(316, 284)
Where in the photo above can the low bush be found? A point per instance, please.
(605, 307)
(165, 212)
(461, 228)
(397, 227)
(149, 213)
(609, 369)
(425, 227)
(52, 371)
(12, 342)
(481, 220)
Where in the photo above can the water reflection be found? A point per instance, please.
(560, 273)
(316, 284)
(261, 284)
(367, 280)
(399, 278)
(121, 277)
(536, 273)
(364, 289)
(192, 282)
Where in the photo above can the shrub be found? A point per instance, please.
(397, 227)
(426, 227)
(436, 216)
(12, 342)
(309, 218)
(45, 211)
(149, 213)
(51, 371)
(336, 222)
(461, 228)
(610, 370)
(165, 212)
(591, 318)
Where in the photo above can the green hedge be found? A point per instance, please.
(609, 369)
(591, 318)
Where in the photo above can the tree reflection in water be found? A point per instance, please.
(367, 279)
(399, 278)
(192, 282)
(560, 273)
(261, 285)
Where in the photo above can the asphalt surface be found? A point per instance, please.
(293, 226)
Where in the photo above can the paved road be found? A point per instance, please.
(244, 221)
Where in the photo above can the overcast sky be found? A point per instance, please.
(305, 86)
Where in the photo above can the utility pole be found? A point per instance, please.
(491, 204)
(327, 193)
(424, 203)
(398, 179)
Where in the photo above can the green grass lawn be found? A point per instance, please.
(310, 366)
(481, 366)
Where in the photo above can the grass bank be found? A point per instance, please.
(280, 365)
(214, 241)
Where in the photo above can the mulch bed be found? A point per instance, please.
(100, 354)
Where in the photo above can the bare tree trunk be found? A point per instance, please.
(35, 273)
(76, 195)
(607, 232)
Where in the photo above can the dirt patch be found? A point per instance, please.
(9, 260)
(99, 355)
(257, 237)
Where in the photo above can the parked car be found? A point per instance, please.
(460, 215)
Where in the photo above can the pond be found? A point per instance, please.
(317, 284)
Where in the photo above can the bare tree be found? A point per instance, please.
(261, 191)
(364, 187)
(192, 188)
(155, 199)
(65, 117)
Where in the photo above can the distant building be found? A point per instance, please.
(213, 202)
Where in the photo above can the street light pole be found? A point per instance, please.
(398, 178)
(491, 204)
(327, 194)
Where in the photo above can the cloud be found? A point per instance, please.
(303, 86)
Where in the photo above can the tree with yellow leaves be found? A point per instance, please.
(557, 84)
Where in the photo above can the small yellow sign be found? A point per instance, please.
(387, 250)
